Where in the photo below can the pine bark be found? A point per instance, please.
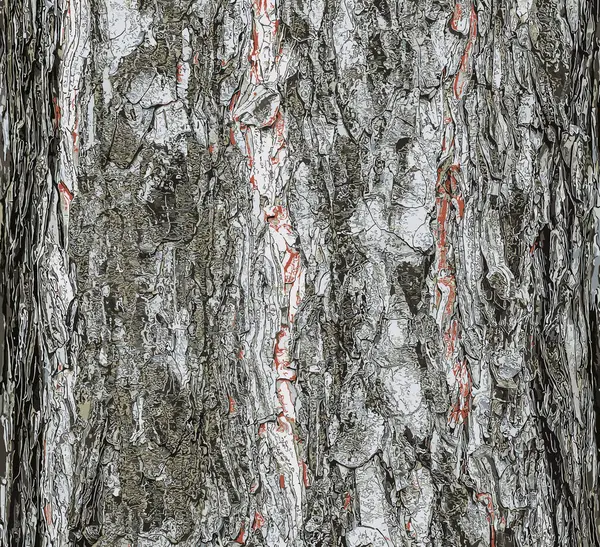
(287, 272)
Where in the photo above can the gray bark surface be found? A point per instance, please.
(28, 81)
(296, 273)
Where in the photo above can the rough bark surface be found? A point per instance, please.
(299, 272)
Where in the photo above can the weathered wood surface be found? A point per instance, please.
(299, 273)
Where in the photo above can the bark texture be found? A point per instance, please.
(29, 34)
(299, 272)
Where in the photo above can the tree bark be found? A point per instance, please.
(283, 272)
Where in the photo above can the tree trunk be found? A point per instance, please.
(283, 272)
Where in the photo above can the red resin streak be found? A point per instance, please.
(461, 409)
(450, 283)
(489, 504)
(260, 7)
(284, 425)
(280, 358)
(57, 112)
(233, 101)
(456, 17)
(305, 475)
(65, 191)
(461, 78)
(347, 501)
(259, 521)
(283, 391)
(533, 248)
(240, 538)
(48, 513)
(291, 268)
(450, 338)
(270, 121)
(448, 198)
(254, 56)
(279, 138)
(249, 151)
(278, 220)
